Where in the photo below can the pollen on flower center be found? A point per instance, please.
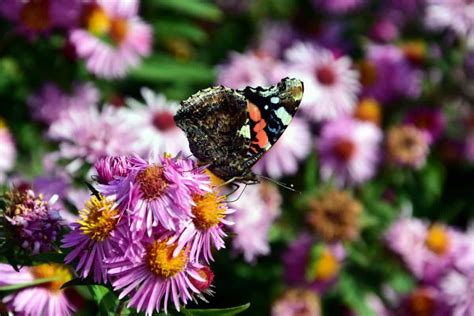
(368, 109)
(98, 22)
(60, 272)
(35, 14)
(208, 211)
(437, 240)
(99, 218)
(326, 75)
(152, 182)
(118, 30)
(161, 261)
(344, 149)
(327, 266)
(163, 121)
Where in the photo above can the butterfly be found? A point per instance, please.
(230, 130)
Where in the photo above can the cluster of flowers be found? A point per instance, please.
(108, 34)
(149, 230)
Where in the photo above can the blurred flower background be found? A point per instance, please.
(380, 156)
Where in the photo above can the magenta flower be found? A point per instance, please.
(296, 259)
(458, 291)
(293, 146)
(7, 151)
(128, 38)
(205, 230)
(331, 86)
(46, 299)
(431, 121)
(110, 168)
(349, 151)
(48, 104)
(155, 277)
(337, 6)
(92, 238)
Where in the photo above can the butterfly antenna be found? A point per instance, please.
(240, 195)
(290, 187)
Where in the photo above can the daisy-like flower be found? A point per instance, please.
(349, 150)
(407, 146)
(156, 276)
(250, 69)
(7, 151)
(334, 216)
(34, 224)
(92, 237)
(325, 268)
(40, 16)
(429, 120)
(85, 135)
(297, 302)
(46, 299)
(338, 6)
(158, 193)
(110, 168)
(456, 15)
(425, 300)
(113, 38)
(387, 75)
(155, 124)
(48, 104)
(331, 86)
(284, 156)
(205, 230)
(256, 210)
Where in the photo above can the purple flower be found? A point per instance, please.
(110, 168)
(284, 156)
(337, 6)
(387, 75)
(34, 224)
(296, 259)
(424, 300)
(429, 120)
(157, 131)
(349, 150)
(48, 104)
(154, 277)
(204, 231)
(94, 238)
(113, 38)
(46, 299)
(158, 193)
(256, 210)
(331, 86)
(458, 290)
(7, 151)
(250, 69)
(275, 37)
(384, 29)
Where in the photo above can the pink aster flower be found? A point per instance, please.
(205, 230)
(7, 151)
(349, 150)
(34, 223)
(85, 134)
(456, 15)
(158, 193)
(337, 6)
(48, 104)
(128, 38)
(331, 86)
(256, 210)
(110, 168)
(284, 156)
(387, 75)
(458, 290)
(154, 277)
(250, 69)
(92, 238)
(40, 16)
(155, 124)
(46, 299)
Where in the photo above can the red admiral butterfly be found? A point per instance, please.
(230, 130)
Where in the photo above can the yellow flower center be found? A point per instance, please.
(35, 14)
(368, 110)
(100, 24)
(368, 73)
(327, 266)
(58, 271)
(161, 262)
(208, 211)
(3, 124)
(99, 218)
(152, 182)
(437, 240)
(415, 50)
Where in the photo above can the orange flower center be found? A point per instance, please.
(99, 218)
(437, 239)
(327, 266)
(161, 261)
(208, 211)
(344, 149)
(368, 73)
(35, 14)
(152, 182)
(45, 271)
(421, 303)
(326, 75)
(368, 110)
(118, 30)
(100, 24)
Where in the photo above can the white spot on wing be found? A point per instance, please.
(275, 100)
(283, 115)
(245, 131)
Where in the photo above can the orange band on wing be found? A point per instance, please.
(254, 112)
(259, 126)
(262, 139)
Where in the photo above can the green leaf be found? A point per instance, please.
(99, 292)
(79, 282)
(354, 296)
(194, 8)
(216, 311)
(177, 29)
(27, 284)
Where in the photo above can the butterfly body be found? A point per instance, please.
(230, 130)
